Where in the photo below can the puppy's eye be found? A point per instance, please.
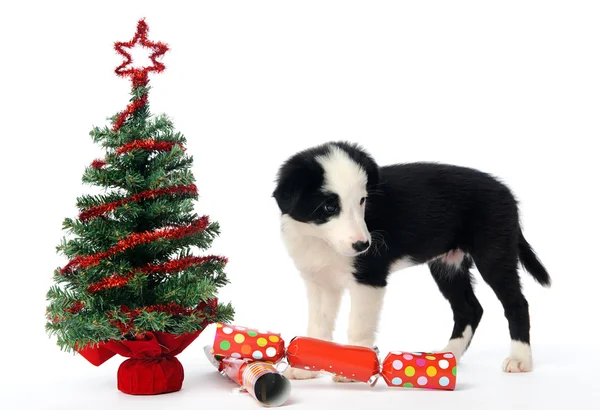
(330, 208)
(363, 199)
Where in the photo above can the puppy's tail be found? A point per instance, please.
(531, 263)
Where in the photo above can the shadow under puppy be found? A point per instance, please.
(348, 223)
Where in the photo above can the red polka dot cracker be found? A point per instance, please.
(352, 362)
(420, 370)
(237, 347)
(245, 343)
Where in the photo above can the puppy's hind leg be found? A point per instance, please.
(323, 308)
(500, 272)
(453, 279)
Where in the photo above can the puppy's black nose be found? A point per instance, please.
(360, 246)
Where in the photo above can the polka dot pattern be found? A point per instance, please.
(247, 343)
(399, 369)
(425, 370)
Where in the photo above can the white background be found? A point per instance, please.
(509, 87)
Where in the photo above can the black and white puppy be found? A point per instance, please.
(348, 223)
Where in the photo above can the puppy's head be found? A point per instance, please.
(323, 191)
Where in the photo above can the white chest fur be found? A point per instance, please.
(316, 260)
(327, 274)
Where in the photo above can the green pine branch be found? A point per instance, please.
(91, 326)
(79, 316)
(188, 288)
(131, 181)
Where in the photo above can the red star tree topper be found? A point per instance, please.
(131, 286)
(138, 76)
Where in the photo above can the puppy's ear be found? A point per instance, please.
(373, 176)
(298, 176)
(286, 198)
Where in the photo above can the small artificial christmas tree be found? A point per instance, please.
(132, 285)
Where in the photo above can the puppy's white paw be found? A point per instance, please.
(341, 379)
(517, 365)
(520, 359)
(458, 346)
(457, 352)
(299, 374)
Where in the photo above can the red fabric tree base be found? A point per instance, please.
(152, 367)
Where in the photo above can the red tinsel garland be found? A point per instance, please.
(177, 232)
(131, 108)
(148, 145)
(176, 265)
(113, 281)
(98, 163)
(170, 309)
(99, 210)
(181, 264)
(77, 306)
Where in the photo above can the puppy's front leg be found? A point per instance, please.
(365, 307)
(323, 308)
